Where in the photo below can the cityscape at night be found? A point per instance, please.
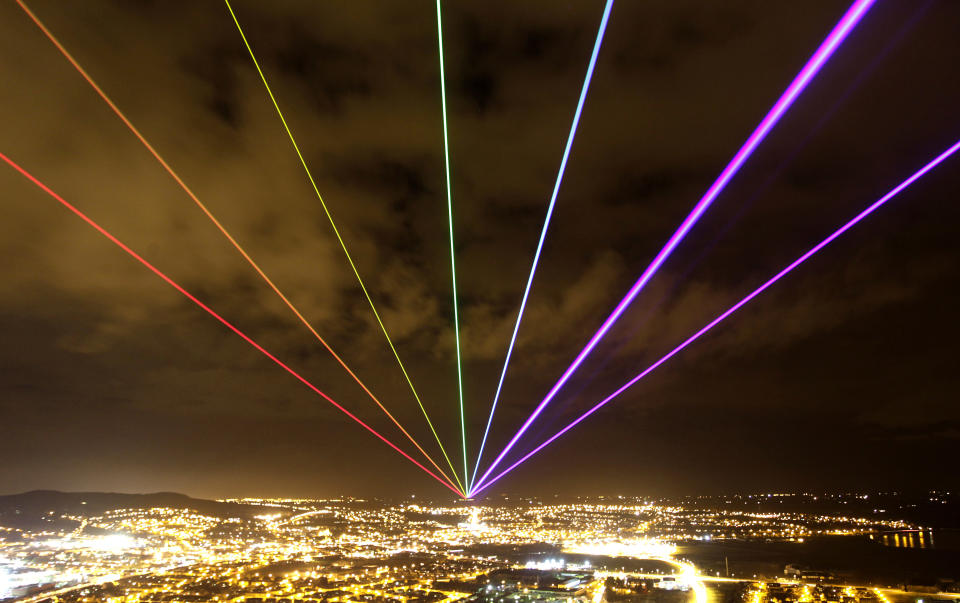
(592, 301)
(66, 547)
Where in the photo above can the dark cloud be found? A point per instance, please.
(839, 376)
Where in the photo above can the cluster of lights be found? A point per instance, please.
(302, 548)
(643, 548)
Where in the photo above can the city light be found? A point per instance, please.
(362, 550)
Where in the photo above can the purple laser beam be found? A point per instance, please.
(869, 210)
(823, 53)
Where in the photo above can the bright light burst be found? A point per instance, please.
(644, 548)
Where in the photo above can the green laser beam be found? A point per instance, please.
(453, 264)
(343, 245)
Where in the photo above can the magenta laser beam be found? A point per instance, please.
(869, 210)
(823, 53)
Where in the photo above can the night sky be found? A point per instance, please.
(844, 376)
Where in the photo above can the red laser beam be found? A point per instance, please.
(209, 311)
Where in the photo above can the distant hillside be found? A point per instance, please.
(31, 508)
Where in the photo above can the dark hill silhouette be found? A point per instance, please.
(31, 508)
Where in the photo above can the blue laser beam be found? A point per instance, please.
(546, 224)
